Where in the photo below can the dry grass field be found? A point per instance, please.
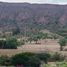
(48, 45)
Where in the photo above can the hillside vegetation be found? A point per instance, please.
(28, 18)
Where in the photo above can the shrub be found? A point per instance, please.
(26, 59)
(44, 57)
(61, 64)
(2, 43)
(57, 57)
(34, 61)
(5, 60)
(62, 43)
(57, 64)
(9, 43)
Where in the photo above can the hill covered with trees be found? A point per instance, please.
(28, 18)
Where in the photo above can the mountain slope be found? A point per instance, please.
(27, 17)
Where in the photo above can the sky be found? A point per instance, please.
(38, 1)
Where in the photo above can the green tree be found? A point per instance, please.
(45, 36)
(2, 43)
(35, 38)
(34, 61)
(11, 43)
(16, 31)
(55, 36)
(26, 59)
(30, 39)
(44, 57)
(62, 43)
(57, 57)
(5, 60)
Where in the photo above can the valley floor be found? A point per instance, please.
(48, 45)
